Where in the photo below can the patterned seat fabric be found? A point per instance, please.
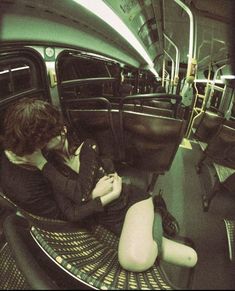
(91, 258)
(10, 276)
(230, 229)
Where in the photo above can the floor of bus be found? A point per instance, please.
(182, 191)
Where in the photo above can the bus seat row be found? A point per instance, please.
(205, 125)
(218, 155)
(59, 255)
(145, 141)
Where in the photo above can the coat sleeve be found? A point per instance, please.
(64, 191)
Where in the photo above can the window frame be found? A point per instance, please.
(63, 84)
(38, 73)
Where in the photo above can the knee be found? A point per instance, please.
(192, 258)
(136, 261)
(179, 254)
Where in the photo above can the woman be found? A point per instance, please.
(48, 175)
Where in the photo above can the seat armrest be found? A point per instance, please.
(33, 273)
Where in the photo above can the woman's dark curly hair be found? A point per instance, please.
(30, 124)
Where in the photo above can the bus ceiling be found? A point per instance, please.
(168, 32)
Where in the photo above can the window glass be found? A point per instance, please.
(89, 77)
(21, 77)
(14, 78)
(5, 83)
(105, 89)
(81, 68)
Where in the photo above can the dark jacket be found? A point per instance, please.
(51, 194)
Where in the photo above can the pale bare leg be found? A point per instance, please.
(178, 254)
(137, 249)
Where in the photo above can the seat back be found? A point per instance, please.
(206, 124)
(221, 147)
(167, 112)
(230, 123)
(159, 104)
(160, 101)
(93, 118)
(150, 141)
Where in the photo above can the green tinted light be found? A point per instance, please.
(103, 11)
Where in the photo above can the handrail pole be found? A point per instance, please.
(177, 60)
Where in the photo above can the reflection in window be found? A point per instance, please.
(88, 77)
(104, 89)
(21, 78)
(14, 78)
(5, 83)
(73, 69)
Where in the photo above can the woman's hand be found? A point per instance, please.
(36, 159)
(103, 187)
(115, 193)
(117, 185)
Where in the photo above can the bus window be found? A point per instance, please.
(14, 78)
(22, 73)
(83, 75)
(19, 75)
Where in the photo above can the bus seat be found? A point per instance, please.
(158, 104)
(220, 151)
(11, 278)
(149, 109)
(221, 147)
(205, 125)
(150, 142)
(92, 118)
(144, 109)
(230, 123)
(7, 204)
(156, 100)
(230, 232)
(86, 258)
(21, 271)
